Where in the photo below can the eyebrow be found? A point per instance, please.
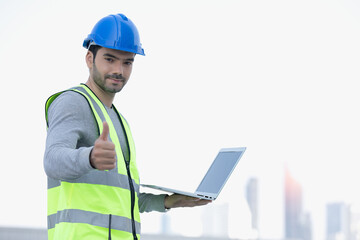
(112, 56)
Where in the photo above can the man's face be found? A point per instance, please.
(111, 69)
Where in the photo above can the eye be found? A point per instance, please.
(128, 63)
(110, 60)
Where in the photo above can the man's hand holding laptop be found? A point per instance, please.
(178, 200)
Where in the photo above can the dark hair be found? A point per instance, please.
(94, 49)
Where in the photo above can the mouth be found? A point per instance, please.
(115, 80)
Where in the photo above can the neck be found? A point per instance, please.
(105, 97)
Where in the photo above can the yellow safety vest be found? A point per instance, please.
(100, 204)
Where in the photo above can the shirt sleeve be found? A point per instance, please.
(64, 159)
(149, 202)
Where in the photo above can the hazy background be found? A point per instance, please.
(279, 77)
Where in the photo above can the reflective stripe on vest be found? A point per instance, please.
(100, 200)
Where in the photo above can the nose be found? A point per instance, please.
(118, 69)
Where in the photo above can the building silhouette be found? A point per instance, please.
(297, 223)
(165, 224)
(354, 222)
(252, 198)
(215, 220)
(338, 221)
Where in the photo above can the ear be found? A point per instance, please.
(89, 58)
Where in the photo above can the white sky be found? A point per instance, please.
(279, 77)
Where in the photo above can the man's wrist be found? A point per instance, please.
(165, 198)
(91, 164)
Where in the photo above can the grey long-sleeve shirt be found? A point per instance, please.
(70, 138)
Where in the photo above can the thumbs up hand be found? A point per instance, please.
(103, 155)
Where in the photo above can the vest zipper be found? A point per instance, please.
(109, 227)
(132, 191)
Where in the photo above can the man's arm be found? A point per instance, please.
(68, 143)
(149, 202)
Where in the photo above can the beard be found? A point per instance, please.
(101, 81)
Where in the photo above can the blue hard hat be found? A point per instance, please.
(115, 32)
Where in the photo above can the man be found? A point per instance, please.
(93, 182)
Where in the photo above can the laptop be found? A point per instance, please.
(216, 176)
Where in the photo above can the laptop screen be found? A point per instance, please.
(219, 172)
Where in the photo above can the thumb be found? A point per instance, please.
(105, 133)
